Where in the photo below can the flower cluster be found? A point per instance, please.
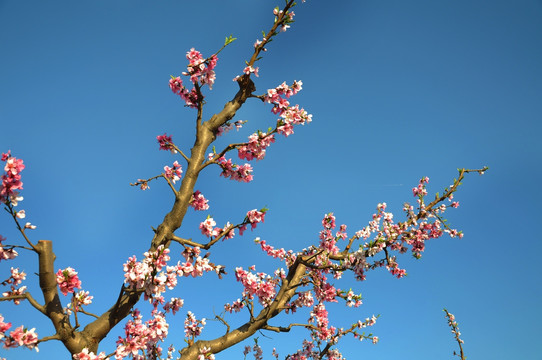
(207, 227)
(289, 115)
(271, 251)
(173, 173)
(199, 69)
(5, 252)
(288, 19)
(353, 300)
(242, 173)
(14, 280)
(11, 179)
(199, 202)
(174, 305)
(256, 349)
(166, 143)
(319, 316)
(304, 299)
(253, 218)
(67, 280)
(323, 290)
(453, 325)
(255, 148)
(260, 284)
(368, 322)
(251, 70)
(308, 351)
(86, 355)
(81, 298)
(201, 72)
(190, 97)
(227, 126)
(236, 306)
(278, 96)
(206, 354)
(192, 326)
(142, 336)
(420, 190)
(149, 275)
(327, 240)
(18, 337)
(143, 184)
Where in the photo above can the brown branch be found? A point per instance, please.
(11, 210)
(181, 152)
(170, 184)
(219, 318)
(279, 21)
(186, 241)
(205, 135)
(71, 339)
(49, 338)
(280, 329)
(30, 299)
(285, 293)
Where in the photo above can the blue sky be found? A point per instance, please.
(398, 90)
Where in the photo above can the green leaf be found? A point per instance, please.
(229, 40)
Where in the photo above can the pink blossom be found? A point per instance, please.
(174, 173)
(166, 143)
(29, 226)
(22, 337)
(198, 201)
(143, 184)
(241, 173)
(174, 305)
(249, 69)
(270, 250)
(329, 221)
(13, 165)
(192, 326)
(86, 355)
(15, 292)
(227, 126)
(254, 217)
(205, 354)
(235, 307)
(4, 326)
(176, 84)
(5, 156)
(319, 315)
(207, 227)
(67, 280)
(11, 180)
(141, 336)
(16, 277)
(256, 147)
(82, 298)
(261, 285)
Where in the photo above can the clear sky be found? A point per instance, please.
(398, 90)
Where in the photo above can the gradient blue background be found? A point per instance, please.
(398, 90)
